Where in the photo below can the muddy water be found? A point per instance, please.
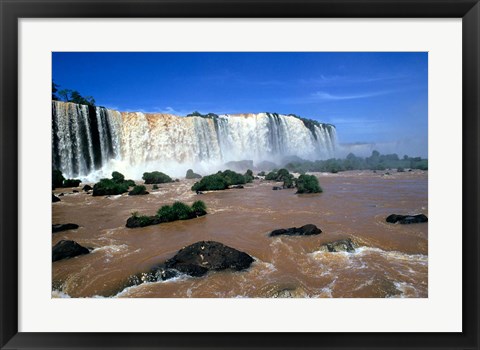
(391, 261)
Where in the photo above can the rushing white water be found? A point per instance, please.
(90, 142)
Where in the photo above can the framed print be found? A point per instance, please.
(245, 175)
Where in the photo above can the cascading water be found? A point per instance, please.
(86, 140)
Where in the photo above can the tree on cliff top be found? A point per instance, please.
(68, 95)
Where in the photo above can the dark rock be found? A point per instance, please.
(237, 186)
(277, 188)
(142, 221)
(176, 180)
(199, 258)
(67, 249)
(55, 198)
(75, 191)
(305, 230)
(343, 245)
(296, 292)
(131, 193)
(407, 219)
(199, 192)
(156, 274)
(61, 194)
(87, 188)
(191, 175)
(63, 227)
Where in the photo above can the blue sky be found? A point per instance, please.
(370, 97)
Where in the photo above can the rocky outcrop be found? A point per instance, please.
(67, 249)
(343, 245)
(277, 188)
(191, 175)
(64, 227)
(142, 221)
(55, 198)
(196, 260)
(406, 219)
(87, 188)
(199, 258)
(305, 230)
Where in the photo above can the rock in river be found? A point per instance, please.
(67, 249)
(305, 230)
(343, 245)
(406, 219)
(63, 227)
(55, 198)
(87, 188)
(197, 259)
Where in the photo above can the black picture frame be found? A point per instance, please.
(11, 11)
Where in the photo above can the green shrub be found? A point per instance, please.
(199, 208)
(138, 190)
(219, 181)
(57, 178)
(262, 173)
(155, 187)
(282, 174)
(191, 175)
(308, 184)
(129, 183)
(233, 178)
(288, 181)
(156, 177)
(71, 183)
(182, 211)
(109, 187)
(271, 176)
(248, 176)
(166, 214)
(215, 182)
(118, 177)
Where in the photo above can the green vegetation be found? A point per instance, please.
(156, 177)
(199, 207)
(198, 114)
(116, 185)
(308, 184)
(155, 187)
(248, 176)
(215, 182)
(57, 178)
(107, 187)
(138, 190)
(219, 181)
(376, 161)
(281, 175)
(262, 173)
(167, 213)
(59, 181)
(71, 183)
(68, 95)
(191, 175)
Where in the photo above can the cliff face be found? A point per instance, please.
(85, 139)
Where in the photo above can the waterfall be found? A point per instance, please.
(88, 139)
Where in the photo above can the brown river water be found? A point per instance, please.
(391, 260)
